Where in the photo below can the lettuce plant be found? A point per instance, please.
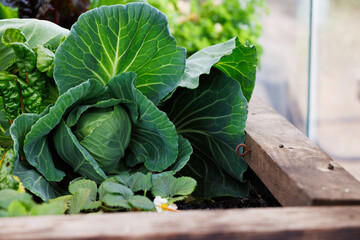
(131, 102)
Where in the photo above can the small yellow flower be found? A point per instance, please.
(162, 204)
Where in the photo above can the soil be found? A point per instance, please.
(259, 196)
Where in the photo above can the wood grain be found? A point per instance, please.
(294, 169)
(271, 223)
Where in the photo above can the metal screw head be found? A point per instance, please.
(246, 148)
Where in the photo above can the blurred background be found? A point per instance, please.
(309, 55)
(311, 75)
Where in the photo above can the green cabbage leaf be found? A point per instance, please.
(212, 117)
(107, 41)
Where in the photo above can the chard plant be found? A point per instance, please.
(132, 113)
(27, 50)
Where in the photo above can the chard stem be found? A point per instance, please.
(21, 99)
(3, 157)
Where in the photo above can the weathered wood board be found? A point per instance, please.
(271, 224)
(295, 170)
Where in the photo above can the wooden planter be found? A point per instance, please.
(315, 191)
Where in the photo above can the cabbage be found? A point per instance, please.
(130, 101)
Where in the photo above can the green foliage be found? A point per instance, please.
(120, 191)
(7, 180)
(136, 182)
(224, 56)
(45, 60)
(117, 195)
(23, 87)
(36, 32)
(7, 12)
(168, 186)
(85, 196)
(13, 204)
(199, 24)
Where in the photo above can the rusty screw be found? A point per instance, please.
(247, 149)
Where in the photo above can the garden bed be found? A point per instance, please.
(295, 171)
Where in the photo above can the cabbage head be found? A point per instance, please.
(94, 131)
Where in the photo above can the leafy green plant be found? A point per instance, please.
(26, 67)
(7, 11)
(36, 32)
(132, 111)
(13, 204)
(7, 179)
(24, 83)
(118, 193)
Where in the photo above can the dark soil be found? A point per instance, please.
(259, 196)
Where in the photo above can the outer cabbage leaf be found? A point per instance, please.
(28, 175)
(236, 60)
(185, 150)
(212, 180)
(212, 117)
(36, 183)
(122, 38)
(36, 32)
(99, 3)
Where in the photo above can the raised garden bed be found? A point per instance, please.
(296, 172)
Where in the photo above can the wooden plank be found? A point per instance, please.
(271, 223)
(294, 169)
(353, 167)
